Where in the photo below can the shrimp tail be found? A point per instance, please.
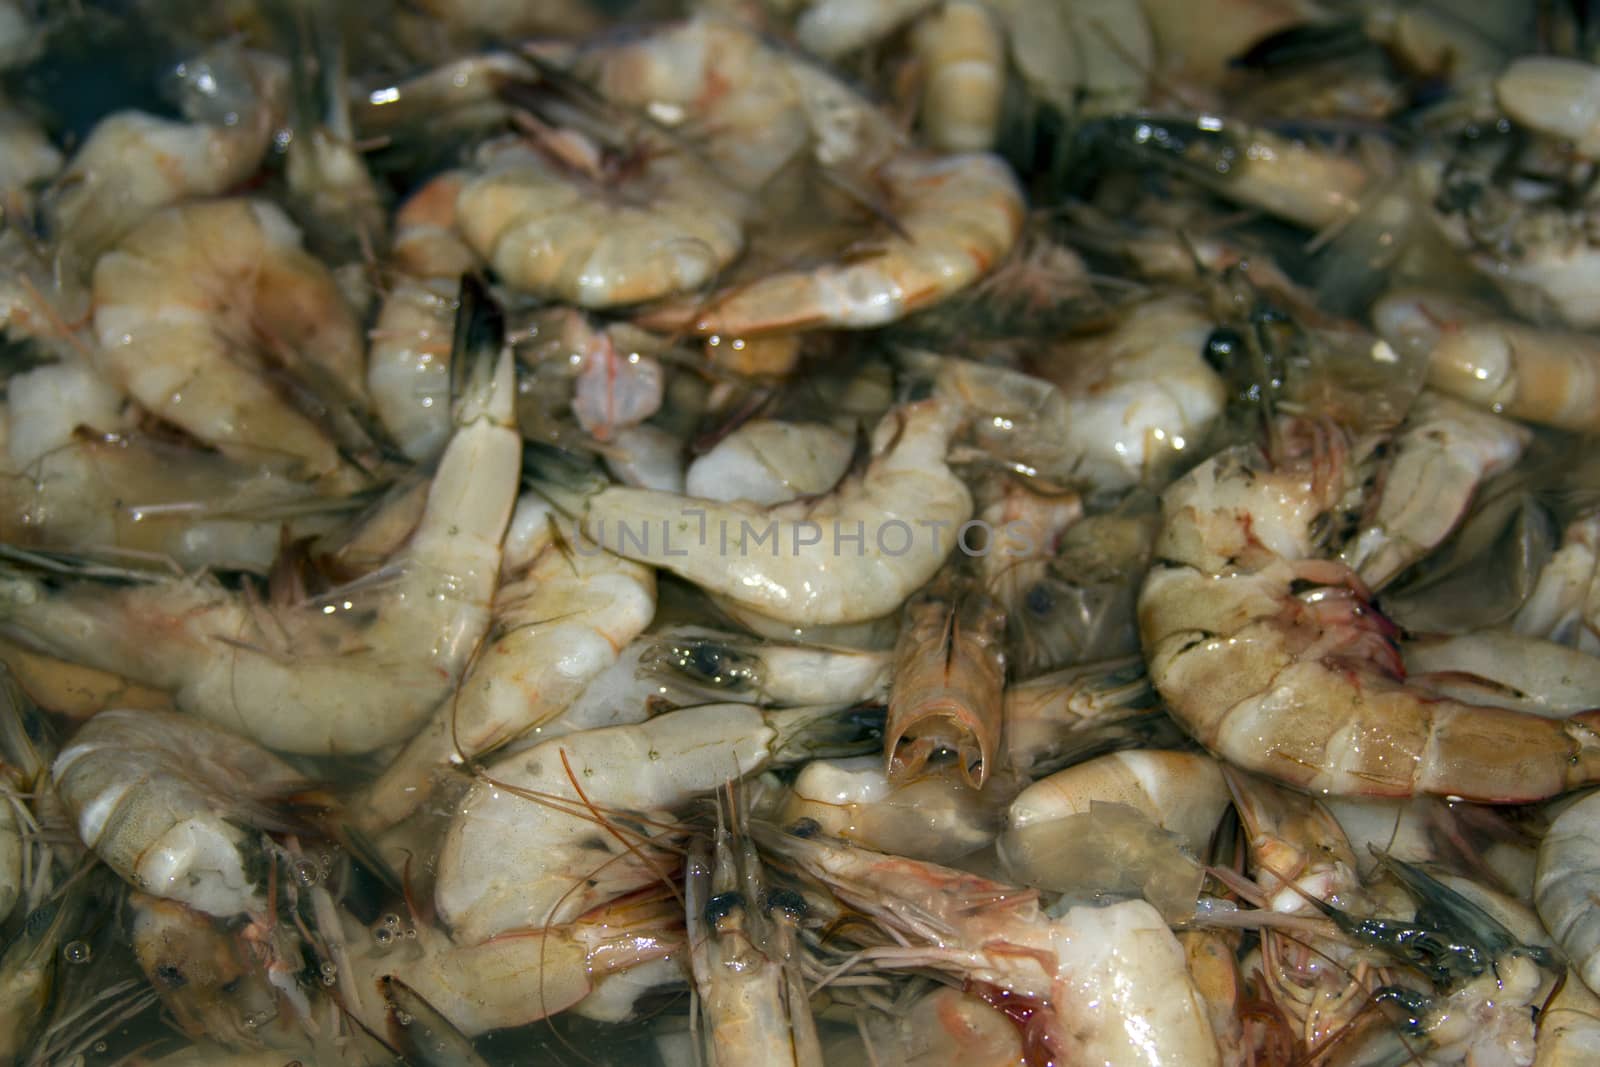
(421, 1034)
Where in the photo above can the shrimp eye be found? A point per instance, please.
(232, 987)
(1039, 600)
(805, 828)
(170, 976)
(722, 905)
(1223, 347)
(787, 901)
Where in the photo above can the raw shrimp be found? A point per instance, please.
(1304, 686)
(1026, 523)
(1195, 42)
(892, 515)
(955, 217)
(1059, 835)
(698, 664)
(1140, 398)
(754, 1002)
(769, 462)
(563, 220)
(133, 163)
(1444, 450)
(949, 677)
(200, 311)
(937, 816)
(1506, 669)
(203, 978)
(962, 52)
(616, 389)
(1563, 888)
(29, 964)
(527, 974)
(1047, 714)
(1551, 377)
(834, 28)
(501, 870)
(562, 614)
(1556, 96)
(1564, 605)
(1107, 985)
(945, 1028)
(408, 363)
(177, 807)
(355, 671)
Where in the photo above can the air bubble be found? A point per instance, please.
(403, 1018)
(77, 952)
(383, 935)
(100, 1046)
(329, 967)
(411, 932)
(330, 980)
(390, 920)
(306, 873)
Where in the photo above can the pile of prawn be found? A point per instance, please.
(799, 532)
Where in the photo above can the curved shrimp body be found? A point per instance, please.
(1556, 96)
(1442, 453)
(166, 802)
(202, 305)
(133, 163)
(949, 678)
(408, 362)
(956, 216)
(351, 674)
(613, 240)
(1304, 687)
(1563, 890)
(813, 572)
(1551, 377)
(1138, 396)
(1051, 824)
(525, 975)
(606, 793)
(560, 619)
(1111, 983)
(1564, 605)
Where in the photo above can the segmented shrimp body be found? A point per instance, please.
(351, 674)
(1305, 686)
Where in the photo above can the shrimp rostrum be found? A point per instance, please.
(1271, 655)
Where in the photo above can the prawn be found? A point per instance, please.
(348, 674)
(499, 870)
(1563, 891)
(766, 461)
(562, 615)
(1107, 985)
(203, 306)
(814, 580)
(1305, 686)
(956, 216)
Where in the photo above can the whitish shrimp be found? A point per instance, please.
(1015, 566)
(754, 1002)
(526, 974)
(1569, 1027)
(766, 461)
(1551, 377)
(1564, 605)
(562, 614)
(133, 163)
(1107, 985)
(501, 870)
(205, 311)
(906, 486)
(944, 1028)
(1563, 892)
(355, 671)
(949, 679)
(1048, 715)
(1506, 669)
(408, 363)
(1059, 835)
(955, 217)
(1442, 453)
(176, 807)
(698, 664)
(1556, 96)
(937, 816)
(566, 219)
(1304, 686)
